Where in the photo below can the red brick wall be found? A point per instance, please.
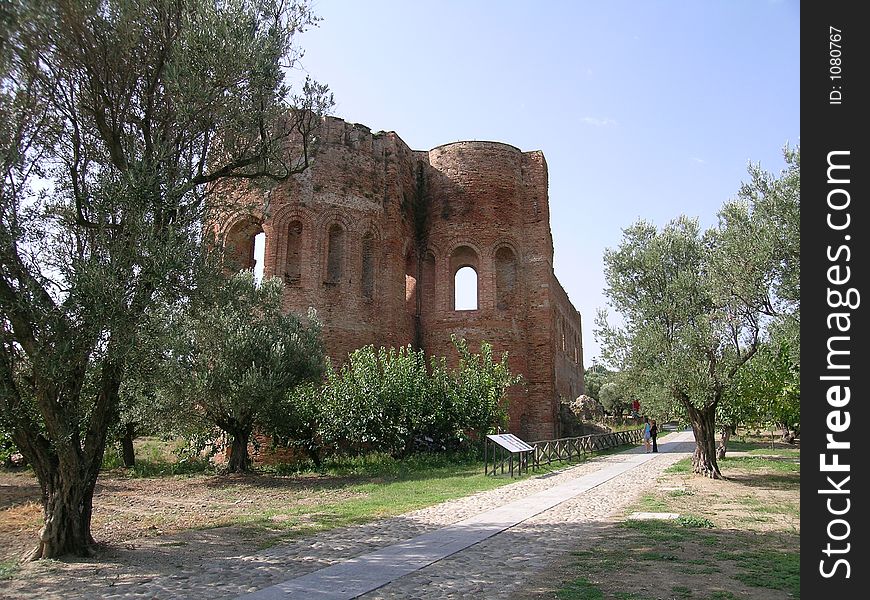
(484, 204)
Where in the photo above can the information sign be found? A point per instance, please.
(510, 442)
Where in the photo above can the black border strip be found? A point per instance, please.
(834, 110)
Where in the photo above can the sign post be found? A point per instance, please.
(507, 444)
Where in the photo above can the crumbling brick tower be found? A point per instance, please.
(373, 234)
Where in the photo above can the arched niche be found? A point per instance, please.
(293, 258)
(334, 254)
(505, 278)
(367, 276)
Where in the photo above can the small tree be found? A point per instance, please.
(243, 356)
(479, 387)
(612, 397)
(698, 305)
(389, 400)
(594, 377)
(766, 392)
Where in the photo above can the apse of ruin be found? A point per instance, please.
(373, 234)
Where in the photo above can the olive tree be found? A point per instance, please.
(242, 356)
(680, 332)
(117, 120)
(698, 305)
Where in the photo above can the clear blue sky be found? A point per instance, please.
(643, 108)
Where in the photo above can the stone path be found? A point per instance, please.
(487, 545)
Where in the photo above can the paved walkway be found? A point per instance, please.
(386, 571)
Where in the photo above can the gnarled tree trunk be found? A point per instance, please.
(727, 432)
(239, 459)
(704, 427)
(67, 467)
(67, 507)
(67, 477)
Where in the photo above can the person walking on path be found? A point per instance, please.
(653, 432)
(646, 433)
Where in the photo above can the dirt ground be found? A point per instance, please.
(128, 510)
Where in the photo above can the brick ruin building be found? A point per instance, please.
(373, 233)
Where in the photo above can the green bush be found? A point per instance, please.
(393, 400)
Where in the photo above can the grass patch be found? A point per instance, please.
(681, 466)
(388, 490)
(702, 570)
(758, 505)
(778, 465)
(605, 561)
(657, 556)
(770, 569)
(652, 503)
(156, 458)
(693, 521)
(658, 531)
(146, 468)
(580, 589)
(8, 569)
(681, 591)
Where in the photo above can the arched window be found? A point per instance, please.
(465, 289)
(335, 255)
(259, 256)
(241, 242)
(505, 278)
(293, 269)
(464, 265)
(368, 266)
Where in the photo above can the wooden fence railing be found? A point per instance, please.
(548, 451)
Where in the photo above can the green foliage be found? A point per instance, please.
(594, 377)
(613, 397)
(765, 392)
(7, 447)
(393, 400)
(243, 355)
